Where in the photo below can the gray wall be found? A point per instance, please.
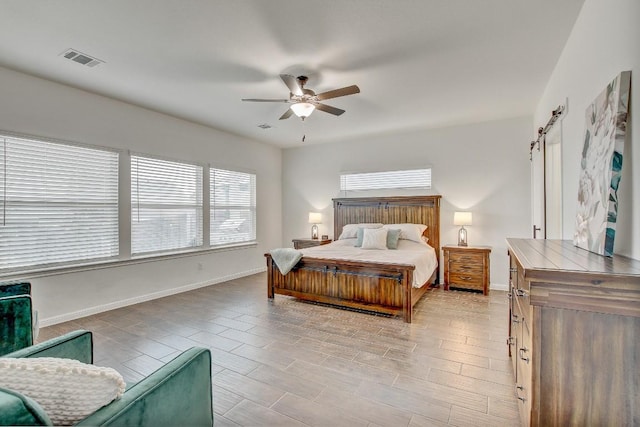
(482, 167)
(603, 42)
(39, 107)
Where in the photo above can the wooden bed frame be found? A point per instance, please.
(377, 287)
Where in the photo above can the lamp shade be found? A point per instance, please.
(315, 217)
(462, 218)
(302, 109)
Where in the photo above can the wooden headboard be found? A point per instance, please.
(390, 210)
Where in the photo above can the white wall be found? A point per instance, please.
(42, 108)
(483, 168)
(605, 40)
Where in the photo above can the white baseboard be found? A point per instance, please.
(499, 287)
(143, 298)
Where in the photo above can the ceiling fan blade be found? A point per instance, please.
(286, 114)
(292, 83)
(264, 100)
(328, 109)
(349, 90)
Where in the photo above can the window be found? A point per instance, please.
(233, 206)
(166, 205)
(415, 178)
(59, 203)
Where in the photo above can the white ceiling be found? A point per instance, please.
(418, 63)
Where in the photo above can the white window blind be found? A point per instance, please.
(233, 206)
(415, 178)
(59, 203)
(166, 205)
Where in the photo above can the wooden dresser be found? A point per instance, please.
(466, 267)
(574, 335)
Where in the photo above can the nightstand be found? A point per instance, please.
(466, 267)
(307, 243)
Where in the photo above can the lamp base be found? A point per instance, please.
(462, 236)
(314, 232)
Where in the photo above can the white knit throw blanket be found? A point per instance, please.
(285, 258)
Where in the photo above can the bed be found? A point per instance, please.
(378, 286)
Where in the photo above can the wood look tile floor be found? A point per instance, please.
(291, 363)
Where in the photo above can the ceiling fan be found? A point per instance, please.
(304, 101)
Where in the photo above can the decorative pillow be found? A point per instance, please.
(359, 236)
(393, 235)
(67, 390)
(350, 231)
(374, 238)
(409, 231)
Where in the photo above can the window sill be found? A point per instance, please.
(111, 263)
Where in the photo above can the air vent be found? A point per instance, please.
(264, 126)
(81, 58)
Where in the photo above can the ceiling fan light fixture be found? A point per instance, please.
(302, 109)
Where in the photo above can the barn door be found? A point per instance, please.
(546, 180)
(537, 190)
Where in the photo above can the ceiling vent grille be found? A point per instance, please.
(81, 58)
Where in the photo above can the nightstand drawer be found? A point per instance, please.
(466, 280)
(469, 260)
(459, 267)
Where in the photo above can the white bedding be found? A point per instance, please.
(420, 255)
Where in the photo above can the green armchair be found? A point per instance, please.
(179, 393)
(18, 321)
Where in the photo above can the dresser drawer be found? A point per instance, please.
(524, 381)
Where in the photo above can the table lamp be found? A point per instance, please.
(315, 218)
(462, 219)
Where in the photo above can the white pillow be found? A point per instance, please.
(409, 231)
(67, 390)
(350, 231)
(374, 238)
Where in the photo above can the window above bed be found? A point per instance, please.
(405, 179)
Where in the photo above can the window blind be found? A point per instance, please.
(59, 203)
(166, 205)
(414, 178)
(233, 206)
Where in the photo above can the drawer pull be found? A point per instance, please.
(467, 278)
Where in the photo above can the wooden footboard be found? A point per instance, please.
(376, 287)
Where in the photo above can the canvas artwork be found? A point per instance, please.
(601, 167)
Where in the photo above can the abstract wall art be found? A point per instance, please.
(601, 167)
